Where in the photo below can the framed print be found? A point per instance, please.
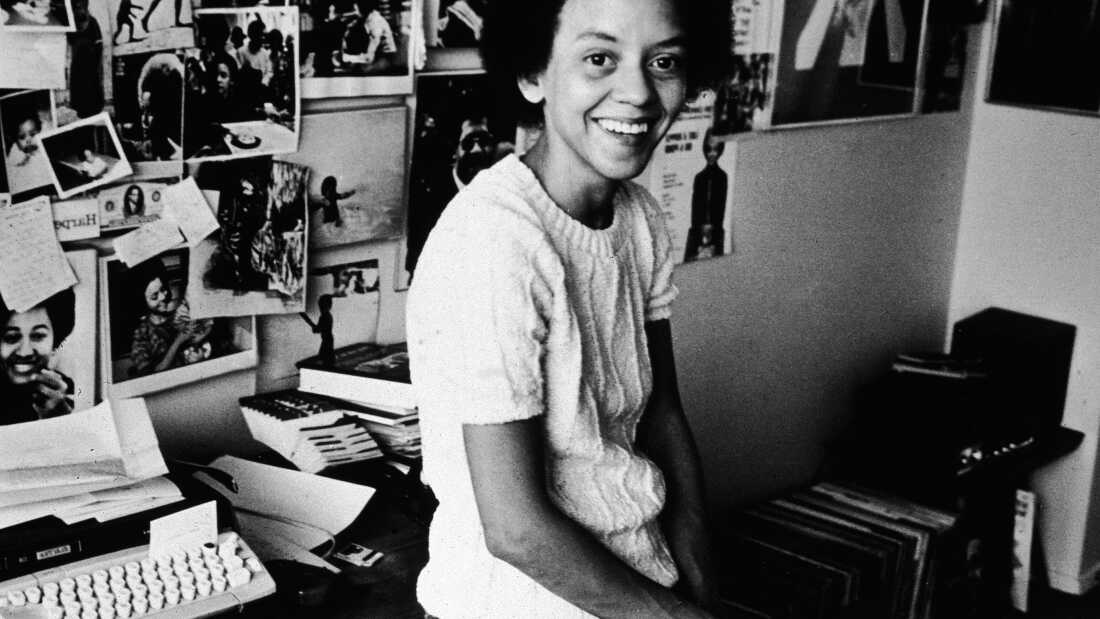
(150, 342)
(1045, 55)
(242, 101)
(848, 60)
(22, 117)
(84, 155)
(51, 345)
(356, 185)
(354, 48)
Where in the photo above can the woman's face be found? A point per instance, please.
(25, 136)
(615, 81)
(27, 345)
(223, 79)
(159, 297)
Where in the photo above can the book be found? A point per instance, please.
(311, 431)
(370, 374)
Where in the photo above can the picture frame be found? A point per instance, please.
(136, 357)
(1043, 56)
(867, 65)
(84, 155)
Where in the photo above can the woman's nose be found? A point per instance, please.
(633, 85)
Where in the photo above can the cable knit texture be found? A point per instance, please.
(516, 311)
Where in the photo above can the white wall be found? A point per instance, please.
(1029, 240)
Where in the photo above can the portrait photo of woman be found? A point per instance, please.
(133, 201)
(30, 385)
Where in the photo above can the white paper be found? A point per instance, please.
(32, 264)
(294, 495)
(32, 60)
(185, 529)
(185, 204)
(16, 514)
(151, 239)
(111, 510)
(76, 219)
(111, 444)
(272, 540)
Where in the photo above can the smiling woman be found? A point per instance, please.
(30, 387)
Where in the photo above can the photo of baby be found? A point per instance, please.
(23, 116)
(84, 155)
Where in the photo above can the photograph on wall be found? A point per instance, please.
(691, 177)
(130, 204)
(84, 155)
(36, 15)
(453, 23)
(48, 351)
(23, 116)
(255, 263)
(150, 25)
(356, 185)
(461, 129)
(1045, 55)
(86, 65)
(342, 307)
(150, 341)
(845, 60)
(242, 101)
(148, 105)
(353, 48)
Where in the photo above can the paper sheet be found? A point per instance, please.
(185, 529)
(185, 204)
(151, 239)
(32, 60)
(272, 539)
(112, 444)
(294, 495)
(32, 264)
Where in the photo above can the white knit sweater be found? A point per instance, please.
(517, 310)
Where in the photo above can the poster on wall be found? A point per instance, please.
(691, 176)
(460, 130)
(846, 60)
(1045, 55)
(353, 48)
(150, 339)
(356, 185)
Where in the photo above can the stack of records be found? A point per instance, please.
(311, 431)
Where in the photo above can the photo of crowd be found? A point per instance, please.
(343, 39)
(241, 84)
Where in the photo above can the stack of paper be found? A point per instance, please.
(102, 463)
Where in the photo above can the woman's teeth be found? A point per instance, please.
(618, 126)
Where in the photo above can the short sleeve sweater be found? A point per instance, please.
(519, 311)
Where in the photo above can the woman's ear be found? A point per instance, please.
(530, 86)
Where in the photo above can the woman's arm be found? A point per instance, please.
(664, 436)
(523, 528)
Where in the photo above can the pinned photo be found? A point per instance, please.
(128, 205)
(84, 155)
(36, 15)
(23, 117)
(148, 101)
(353, 48)
(151, 341)
(255, 263)
(138, 27)
(242, 101)
(453, 23)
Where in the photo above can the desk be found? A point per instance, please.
(394, 523)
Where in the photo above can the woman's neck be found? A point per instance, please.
(579, 191)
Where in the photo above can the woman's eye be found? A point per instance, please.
(12, 338)
(667, 63)
(597, 60)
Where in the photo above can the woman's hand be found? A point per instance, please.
(50, 394)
